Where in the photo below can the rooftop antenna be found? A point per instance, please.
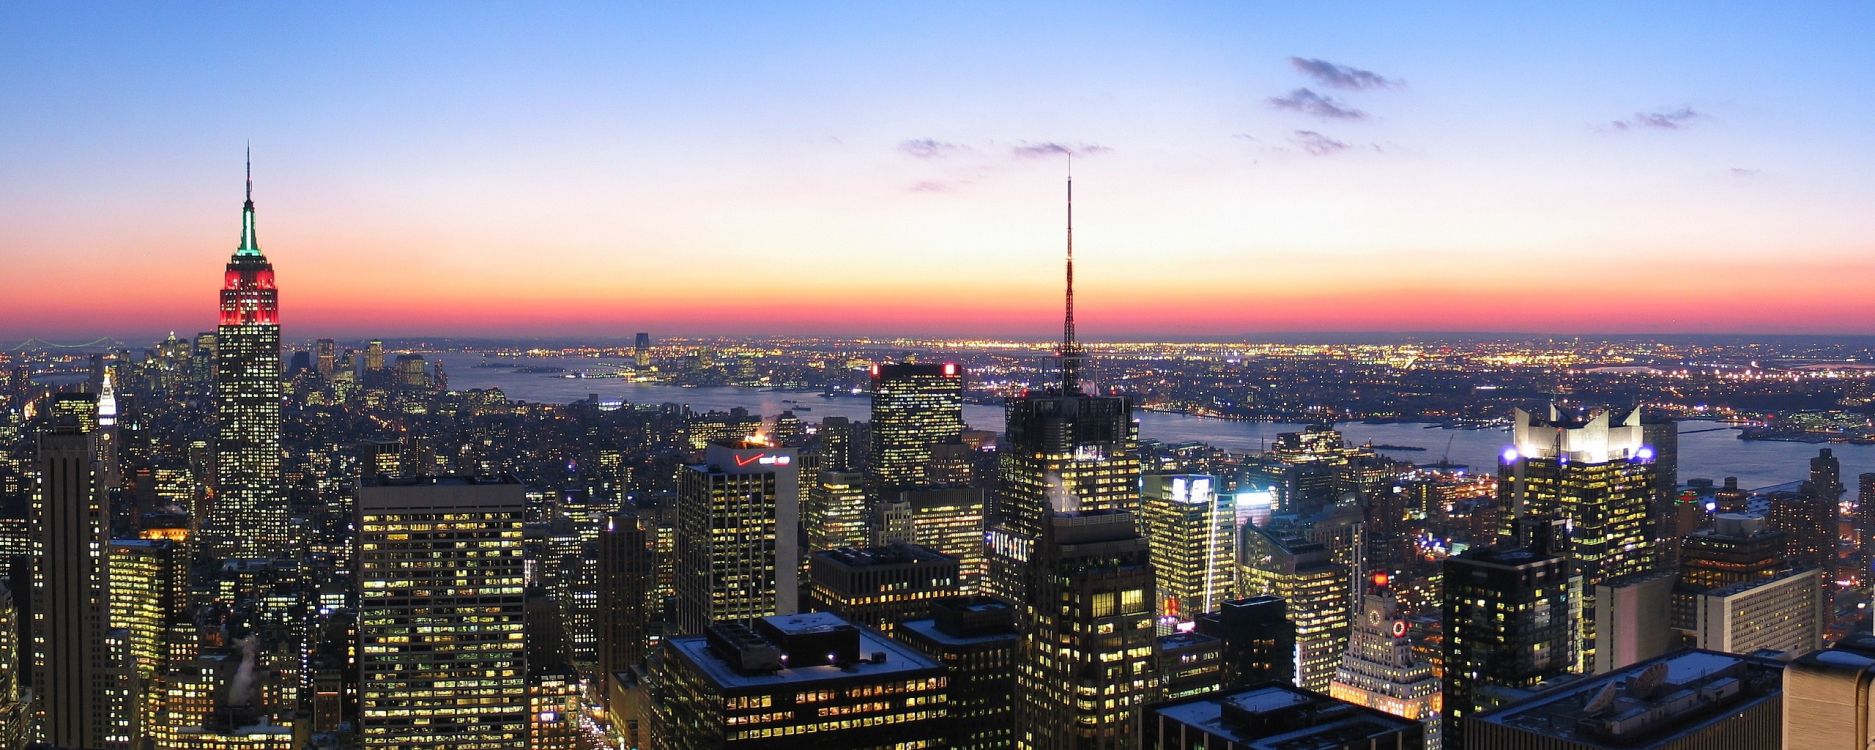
(250, 173)
(1070, 349)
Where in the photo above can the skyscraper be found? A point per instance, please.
(1259, 640)
(78, 677)
(249, 518)
(1512, 618)
(946, 519)
(976, 641)
(1808, 519)
(1062, 450)
(1317, 591)
(15, 713)
(325, 357)
(440, 626)
(914, 407)
(1595, 475)
(1379, 670)
(738, 553)
(1087, 634)
(641, 350)
(625, 581)
(834, 514)
(1192, 530)
(878, 587)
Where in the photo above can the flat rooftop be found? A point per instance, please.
(899, 658)
(1281, 717)
(1680, 694)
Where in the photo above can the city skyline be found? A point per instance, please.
(760, 171)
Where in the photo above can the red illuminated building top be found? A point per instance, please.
(248, 295)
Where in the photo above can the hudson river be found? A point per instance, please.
(1704, 451)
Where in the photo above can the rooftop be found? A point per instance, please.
(1679, 694)
(879, 657)
(1281, 717)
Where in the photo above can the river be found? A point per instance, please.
(1704, 451)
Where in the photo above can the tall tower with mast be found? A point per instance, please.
(249, 516)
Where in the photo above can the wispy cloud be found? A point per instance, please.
(1308, 102)
(1743, 172)
(1050, 148)
(931, 186)
(1673, 119)
(930, 148)
(1318, 144)
(1342, 76)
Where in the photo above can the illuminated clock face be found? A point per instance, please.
(1399, 628)
(1373, 617)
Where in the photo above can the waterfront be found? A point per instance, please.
(1704, 451)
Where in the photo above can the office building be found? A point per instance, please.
(834, 512)
(1865, 518)
(1379, 670)
(1596, 475)
(1258, 637)
(800, 680)
(946, 519)
(15, 701)
(975, 640)
(440, 627)
(1087, 633)
(1783, 614)
(1634, 616)
(1662, 435)
(1512, 617)
(1317, 593)
(914, 407)
(1808, 519)
(1062, 451)
(738, 550)
(1687, 700)
(879, 587)
(149, 588)
(249, 517)
(1188, 664)
(553, 708)
(374, 359)
(80, 681)
(1827, 700)
(1273, 717)
(325, 357)
(625, 601)
(1193, 532)
(641, 350)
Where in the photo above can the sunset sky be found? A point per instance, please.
(883, 168)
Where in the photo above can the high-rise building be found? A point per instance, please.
(15, 703)
(325, 357)
(1782, 614)
(1827, 700)
(1380, 671)
(946, 519)
(1808, 519)
(1087, 634)
(1512, 617)
(838, 448)
(975, 639)
(738, 553)
(1316, 590)
(1062, 451)
(1268, 717)
(914, 407)
(1634, 617)
(878, 587)
(834, 511)
(1192, 529)
(1662, 434)
(249, 517)
(374, 357)
(1686, 700)
(1826, 474)
(641, 350)
(801, 680)
(149, 582)
(625, 593)
(1596, 475)
(553, 708)
(1258, 637)
(79, 680)
(110, 468)
(1737, 548)
(1188, 664)
(440, 628)
(1865, 518)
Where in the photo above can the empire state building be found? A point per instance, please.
(249, 515)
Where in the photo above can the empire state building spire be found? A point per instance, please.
(249, 245)
(1071, 354)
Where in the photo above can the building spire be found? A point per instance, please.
(1070, 349)
(249, 244)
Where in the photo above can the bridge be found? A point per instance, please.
(38, 344)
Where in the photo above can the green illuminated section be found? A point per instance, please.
(249, 245)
